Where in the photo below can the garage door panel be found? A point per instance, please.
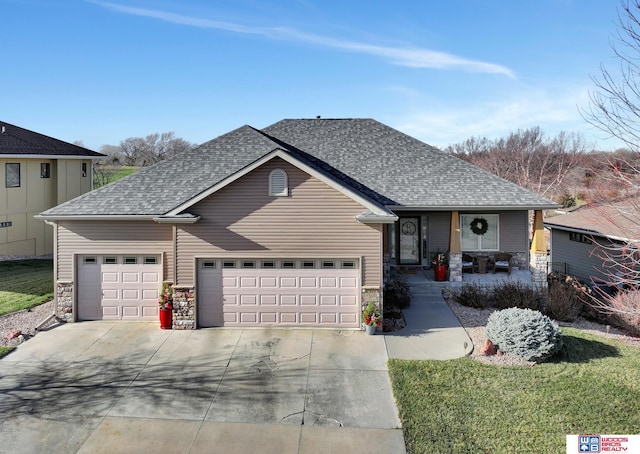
(110, 294)
(248, 300)
(110, 277)
(308, 300)
(328, 300)
(308, 282)
(288, 300)
(268, 300)
(302, 295)
(268, 318)
(268, 282)
(130, 294)
(248, 282)
(131, 277)
(151, 278)
(288, 282)
(117, 291)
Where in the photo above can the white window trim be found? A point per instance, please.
(479, 247)
(278, 183)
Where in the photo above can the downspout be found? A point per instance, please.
(54, 315)
(175, 255)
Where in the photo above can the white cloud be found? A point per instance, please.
(402, 56)
(443, 124)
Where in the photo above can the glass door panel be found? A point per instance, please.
(409, 243)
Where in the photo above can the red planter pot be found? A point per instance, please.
(440, 272)
(166, 317)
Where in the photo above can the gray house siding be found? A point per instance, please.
(241, 220)
(579, 258)
(115, 237)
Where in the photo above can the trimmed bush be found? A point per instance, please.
(562, 302)
(516, 294)
(529, 335)
(472, 295)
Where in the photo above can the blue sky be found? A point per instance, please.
(441, 71)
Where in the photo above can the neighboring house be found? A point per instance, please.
(580, 239)
(296, 224)
(38, 172)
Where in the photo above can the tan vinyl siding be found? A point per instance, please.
(314, 220)
(112, 237)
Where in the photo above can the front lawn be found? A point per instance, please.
(464, 406)
(24, 284)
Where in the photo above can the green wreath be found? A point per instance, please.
(479, 226)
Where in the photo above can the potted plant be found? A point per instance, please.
(371, 318)
(440, 267)
(165, 302)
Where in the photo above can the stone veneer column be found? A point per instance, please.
(455, 267)
(184, 308)
(539, 269)
(64, 301)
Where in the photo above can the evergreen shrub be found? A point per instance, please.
(527, 334)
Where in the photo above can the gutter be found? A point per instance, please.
(471, 208)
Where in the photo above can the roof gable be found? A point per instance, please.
(16, 141)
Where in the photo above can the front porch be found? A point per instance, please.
(424, 277)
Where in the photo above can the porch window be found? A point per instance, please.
(478, 241)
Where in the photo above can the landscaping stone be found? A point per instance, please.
(14, 333)
(488, 348)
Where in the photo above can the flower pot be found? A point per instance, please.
(370, 329)
(166, 318)
(440, 272)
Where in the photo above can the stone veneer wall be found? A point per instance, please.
(538, 268)
(455, 267)
(64, 301)
(184, 308)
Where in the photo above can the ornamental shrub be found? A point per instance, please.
(562, 302)
(472, 295)
(524, 333)
(516, 294)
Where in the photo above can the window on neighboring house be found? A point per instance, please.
(84, 169)
(278, 183)
(478, 241)
(580, 238)
(45, 170)
(12, 175)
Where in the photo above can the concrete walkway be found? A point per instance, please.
(95, 387)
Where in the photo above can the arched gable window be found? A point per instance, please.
(278, 183)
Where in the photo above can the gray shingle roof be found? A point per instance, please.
(377, 161)
(19, 141)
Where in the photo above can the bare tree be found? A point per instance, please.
(527, 158)
(615, 109)
(138, 151)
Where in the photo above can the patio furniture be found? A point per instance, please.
(467, 263)
(502, 262)
(482, 264)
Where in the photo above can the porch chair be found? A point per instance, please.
(467, 263)
(502, 261)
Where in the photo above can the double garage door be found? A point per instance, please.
(118, 287)
(283, 292)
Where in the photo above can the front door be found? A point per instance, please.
(409, 242)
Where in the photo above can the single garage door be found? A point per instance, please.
(118, 287)
(256, 292)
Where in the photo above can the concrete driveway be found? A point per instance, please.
(131, 387)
